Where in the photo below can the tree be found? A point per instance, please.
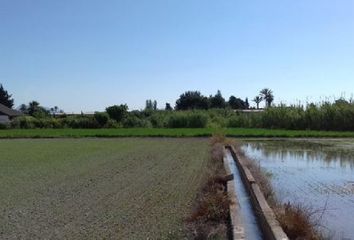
(192, 100)
(258, 100)
(101, 118)
(237, 103)
(23, 108)
(168, 107)
(217, 101)
(117, 112)
(148, 105)
(5, 98)
(247, 105)
(268, 96)
(34, 109)
(341, 101)
(55, 110)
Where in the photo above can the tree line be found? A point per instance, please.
(193, 110)
(190, 100)
(194, 100)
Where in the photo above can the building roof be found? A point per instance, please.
(8, 111)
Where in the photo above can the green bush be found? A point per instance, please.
(26, 122)
(132, 121)
(187, 120)
(117, 112)
(197, 120)
(101, 118)
(326, 116)
(158, 120)
(48, 123)
(337, 116)
(235, 122)
(81, 122)
(3, 126)
(177, 121)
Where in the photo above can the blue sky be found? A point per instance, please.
(84, 55)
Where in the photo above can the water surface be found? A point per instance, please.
(249, 220)
(315, 173)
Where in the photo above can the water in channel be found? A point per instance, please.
(318, 174)
(252, 230)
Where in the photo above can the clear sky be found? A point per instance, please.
(89, 54)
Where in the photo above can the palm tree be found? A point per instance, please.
(258, 100)
(268, 96)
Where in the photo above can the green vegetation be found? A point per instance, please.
(168, 132)
(194, 110)
(99, 189)
(6, 98)
(338, 116)
(117, 113)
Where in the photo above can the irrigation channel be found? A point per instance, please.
(251, 217)
(315, 173)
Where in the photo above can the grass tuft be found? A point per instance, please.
(296, 221)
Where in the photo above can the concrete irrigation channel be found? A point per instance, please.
(251, 217)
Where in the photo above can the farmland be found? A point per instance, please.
(98, 188)
(170, 132)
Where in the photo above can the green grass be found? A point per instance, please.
(99, 188)
(165, 132)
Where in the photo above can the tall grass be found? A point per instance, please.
(325, 116)
(187, 120)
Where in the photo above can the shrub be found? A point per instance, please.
(3, 126)
(177, 120)
(81, 122)
(158, 120)
(113, 124)
(187, 120)
(117, 112)
(132, 121)
(26, 122)
(101, 118)
(48, 123)
(197, 120)
(235, 122)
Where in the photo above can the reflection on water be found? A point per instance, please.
(327, 154)
(314, 173)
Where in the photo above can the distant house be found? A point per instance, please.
(7, 114)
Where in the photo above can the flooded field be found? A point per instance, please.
(315, 173)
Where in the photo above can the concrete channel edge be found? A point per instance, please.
(271, 228)
(237, 227)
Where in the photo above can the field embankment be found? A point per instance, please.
(210, 217)
(106, 189)
(169, 132)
